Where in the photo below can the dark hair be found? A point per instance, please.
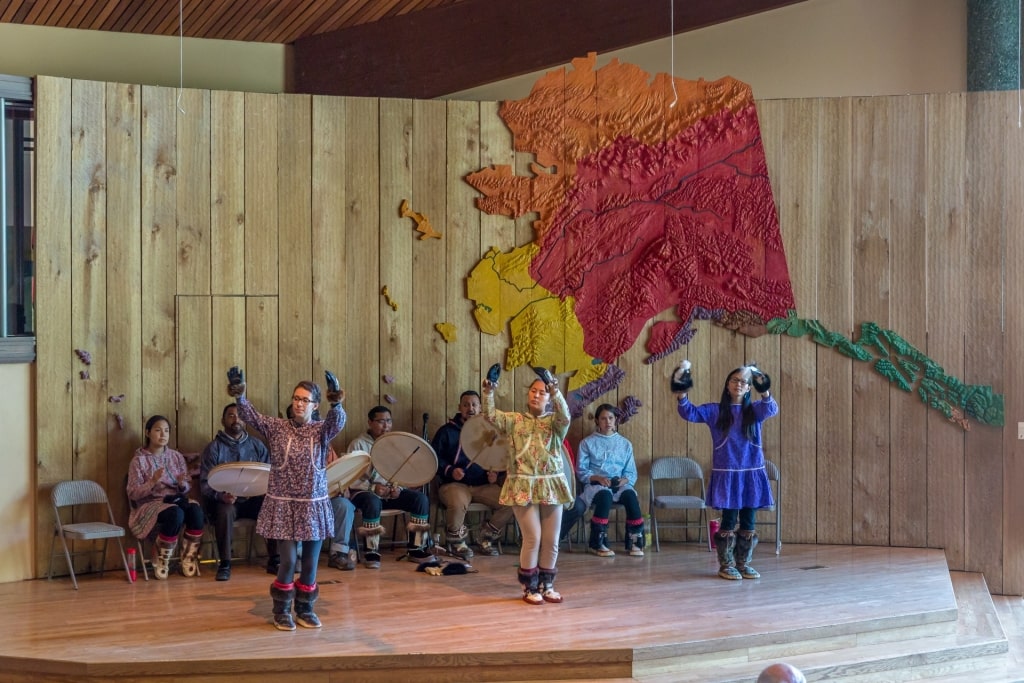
(464, 394)
(312, 387)
(226, 409)
(603, 407)
(724, 421)
(151, 422)
(377, 409)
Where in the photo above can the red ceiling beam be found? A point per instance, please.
(443, 50)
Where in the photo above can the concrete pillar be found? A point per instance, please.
(993, 45)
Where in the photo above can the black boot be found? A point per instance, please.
(725, 544)
(273, 559)
(599, 540)
(746, 541)
(304, 613)
(420, 543)
(530, 580)
(283, 600)
(635, 540)
(546, 579)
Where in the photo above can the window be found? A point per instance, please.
(17, 258)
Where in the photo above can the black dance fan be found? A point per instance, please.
(545, 375)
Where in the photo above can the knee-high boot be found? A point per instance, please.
(305, 596)
(190, 553)
(283, 599)
(599, 540)
(419, 539)
(725, 545)
(530, 580)
(546, 578)
(162, 552)
(746, 541)
(635, 539)
(371, 532)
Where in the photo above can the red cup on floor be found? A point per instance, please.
(713, 526)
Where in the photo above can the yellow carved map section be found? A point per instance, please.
(545, 331)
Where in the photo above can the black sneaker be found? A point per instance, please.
(371, 560)
(417, 554)
(224, 572)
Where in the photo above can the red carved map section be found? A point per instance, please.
(644, 206)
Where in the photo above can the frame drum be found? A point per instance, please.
(241, 479)
(404, 459)
(345, 470)
(484, 445)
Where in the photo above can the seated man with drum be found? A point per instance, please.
(374, 491)
(462, 455)
(231, 446)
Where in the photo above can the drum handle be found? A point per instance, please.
(426, 416)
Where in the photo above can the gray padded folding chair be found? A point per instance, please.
(687, 472)
(83, 492)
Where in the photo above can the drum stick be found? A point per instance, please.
(404, 462)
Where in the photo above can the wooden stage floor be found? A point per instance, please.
(623, 619)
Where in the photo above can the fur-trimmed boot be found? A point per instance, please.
(163, 550)
(546, 579)
(419, 539)
(371, 531)
(305, 596)
(725, 545)
(746, 541)
(635, 539)
(488, 541)
(190, 553)
(599, 540)
(530, 579)
(456, 542)
(283, 599)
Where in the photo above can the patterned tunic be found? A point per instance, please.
(297, 507)
(738, 477)
(147, 500)
(605, 456)
(535, 472)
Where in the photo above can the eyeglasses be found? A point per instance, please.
(739, 382)
(385, 421)
(302, 399)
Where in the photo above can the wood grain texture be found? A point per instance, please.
(56, 364)
(294, 242)
(463, 248)
(946, 271)
(868, 243)
(908, 417)
(192, 118)
(805, 609)
(986, 228)
(362, 261)
(227, 192)
(397, 244)
(430, 306)
(332, 287)
(261, 199)
(124, 272)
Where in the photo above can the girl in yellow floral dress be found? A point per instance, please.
(535, 486)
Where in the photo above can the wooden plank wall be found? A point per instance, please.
(260, 230)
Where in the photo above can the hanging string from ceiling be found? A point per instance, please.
(181, 55)
(672, 50)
